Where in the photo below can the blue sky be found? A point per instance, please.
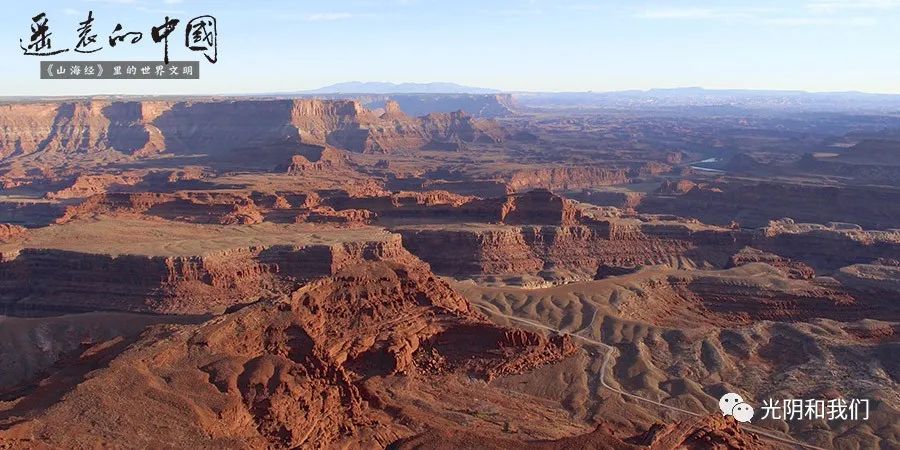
(531, 45)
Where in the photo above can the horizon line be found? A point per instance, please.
(309, 92)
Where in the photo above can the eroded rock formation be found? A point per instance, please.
(144, 128)
(66, 281)
(754, 204)
(10, 232)
(291, 373)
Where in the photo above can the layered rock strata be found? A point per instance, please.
(144, 128)
(34, 280)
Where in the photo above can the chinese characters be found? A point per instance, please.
(199, 36)
(120, 70)
(40, 44)
(85, 38)
(811, 409)
(161, 34)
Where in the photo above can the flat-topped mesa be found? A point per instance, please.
(80, 127)
(754, 204)
(225, 208)
(566, 178)
(560, 253)
(539, 206)
(395, 131)
(230, 128)
(71, 127)
(429, 198)
(793, 269)
(461, 128)
(86, 185)
(756, 292)
(228, 274)
(41, 280)
(336, 122)
(325, 214)
(72, 181)
(196, 207)
(564, 250)
(827, 247)
(875, 160)
(432, 205)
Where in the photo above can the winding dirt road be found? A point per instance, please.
(607, 357)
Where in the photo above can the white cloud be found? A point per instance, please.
(697, 13)
(71, 12)
(588, 7)
(326, 17)
(837, 6)
(141, 3)
(171, 12)
(677, 13)
(822, 21)
(820, 14)
(518, 12)
(118, 2)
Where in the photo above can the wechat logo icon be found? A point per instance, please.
(732, 404)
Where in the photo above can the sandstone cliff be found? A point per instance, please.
(753, 204)
(65, 281)
(230, 127)
(10, 232)
(575, 250)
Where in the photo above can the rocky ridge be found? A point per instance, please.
(288, 373)
(145, 128)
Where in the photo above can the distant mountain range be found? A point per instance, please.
(423, 98)
(643, 99)
(370, 87)
(718, 98)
